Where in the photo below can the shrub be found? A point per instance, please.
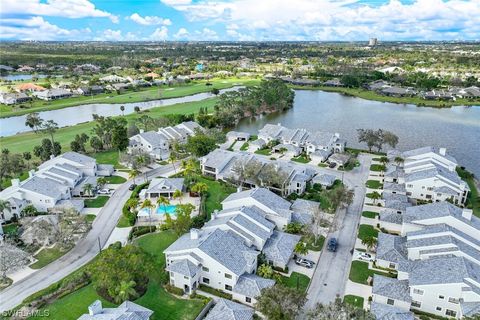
(215, 292)
(141, 230)
(174, 290)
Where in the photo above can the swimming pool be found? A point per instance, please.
(170, 209)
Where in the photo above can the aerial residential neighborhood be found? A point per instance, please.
(240, 160)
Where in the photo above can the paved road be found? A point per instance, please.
(331, 274)
(83, 252)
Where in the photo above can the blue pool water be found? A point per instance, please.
(170, 209)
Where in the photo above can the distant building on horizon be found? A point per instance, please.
(372, 42)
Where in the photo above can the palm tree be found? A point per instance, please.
(399, 161)
(122, 108)
(384, 160)
(132, 203)
(301, 248)
(172, 158)
(265, 271)
(147, 203)
(133, 174)
(125, 291)
(88, 189)
(101, 181)
(199, 188)
(370, 242)
(178, 195)
(375, 196)
(162, 201)
(189, 167)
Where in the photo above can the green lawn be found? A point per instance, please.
(473, 199)
(360, 272)
(366, 230)
(8, 182)
(97, 202)
(10, 228)
(374, 184)
(45, 256)
(355, 301)
(370, 195)
(90, 217)
(301, 159)
(216, 193)
(311, 245)
(164, 305)
(377, 167)
(244, 146)
(129, 96)
(369, 214)
(115, 180)
(28, 140)
(123, 222)
(296, 279)
(265, 152)
(107, 157)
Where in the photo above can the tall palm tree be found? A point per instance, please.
(384, 160)
(399, 161)
(125, 291)
(162, 201)
(375, 196)
(172, 158)
(370, 242)
(88, 189)
(301, 248)
(101, 181)
(132, 174)
(178, 195)
(200, 188)
(147, 203)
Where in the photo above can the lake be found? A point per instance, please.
(456, 128)
(21, 77)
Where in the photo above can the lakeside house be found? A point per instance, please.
(55, 183)
(127, 310)
(28, 87)
(319, 145)
(428, 174)
(437, 257)
(52, 94)
(89, 91)
(13, 98)
(157, 143)
(224, 253)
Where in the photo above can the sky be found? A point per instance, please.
(239, 20)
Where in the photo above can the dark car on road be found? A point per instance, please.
(332, 244)
(132, 186)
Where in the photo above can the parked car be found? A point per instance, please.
(365, 256)
(103, 191)
(304, 263)
(132, 186)
(332, 165)
(332, 244)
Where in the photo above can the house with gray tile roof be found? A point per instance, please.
(324, 179)
(163, 187)
(386, 312)
(126, 311)
(250, 286)
(391, 291)
(279, 248)
(391, 250)
(228, 310)
(56, 180)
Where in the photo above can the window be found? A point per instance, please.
(418, 291)
(228, 276)
(205, 269)
(185, 277)
(441, 297)
(172, 274)
(416, 304)
(390, 302)
(453, 300)
(438, 308)
(248, 299)
(228, 287)
(450, 313)
(391, 265)
(206, 280)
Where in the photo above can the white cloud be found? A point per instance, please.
(206, 34)
(182, 33)
(110, 35)
(159, 34)
(36, 28)
(149, 20)
(55, 8)
(176, 2)
(338, 19)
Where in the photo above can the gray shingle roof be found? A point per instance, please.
(229, 310)
(386, 312)
(78, 157)
(470, 309)
(184, 267)
(279, 247)
(165, 184)
(392, 217)
(251, 285)
(423, 150)
(391, 248)
(324, 179)
(44, 186)
(391, 288)
(126, 311)
(437, 210)
(431, 173)
(153, 137)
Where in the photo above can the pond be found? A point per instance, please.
(456, 128)
(21, 77)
